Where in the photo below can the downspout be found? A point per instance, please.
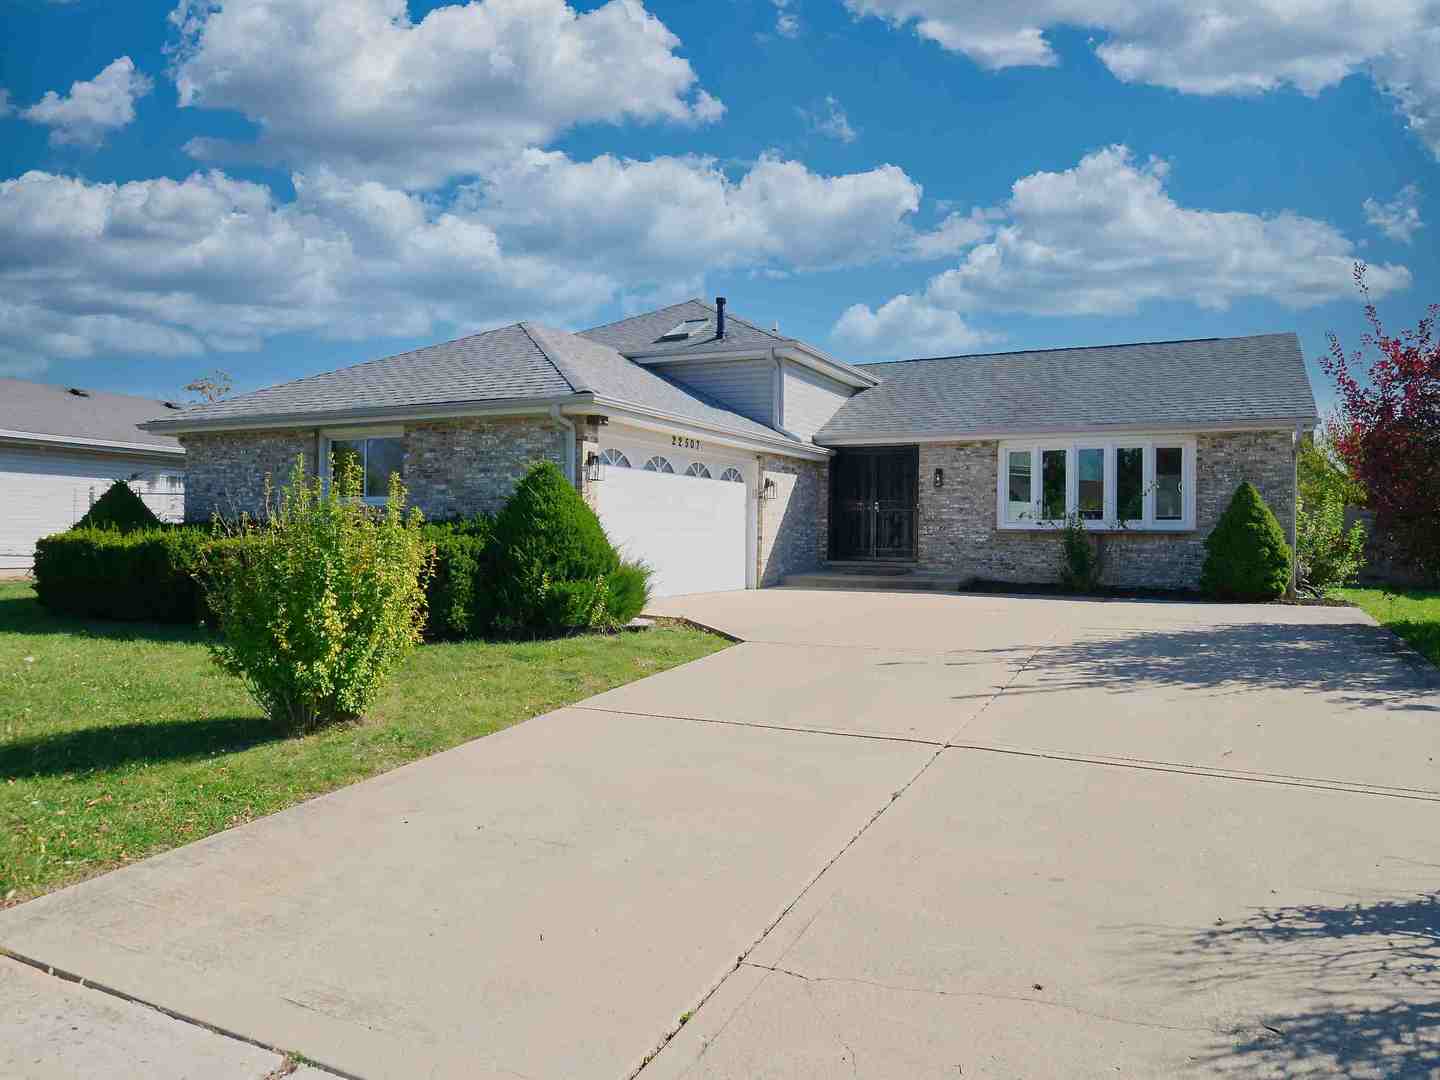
(568, 458)
(1295, 512)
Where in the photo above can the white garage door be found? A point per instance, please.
(690, 528)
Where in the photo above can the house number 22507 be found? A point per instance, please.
(684, 443)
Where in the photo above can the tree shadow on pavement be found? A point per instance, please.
(1350, 664)
(1364, 977)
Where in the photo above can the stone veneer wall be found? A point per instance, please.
(465, 466)
(957, 522)
(225, 471)
(795, 525)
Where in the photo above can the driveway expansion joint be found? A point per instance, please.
(90, 984)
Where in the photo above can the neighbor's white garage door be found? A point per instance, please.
(47, 491)
(690, 528)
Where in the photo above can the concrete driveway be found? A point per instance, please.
(888, 835)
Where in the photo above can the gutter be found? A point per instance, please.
(568, 458)
(1279, 423)
(777, 444)
(378, 414)
(77, 442)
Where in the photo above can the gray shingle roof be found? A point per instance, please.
(513, 363)
(494, 366)
(640, 335)
(96, 416)
(1157, 384)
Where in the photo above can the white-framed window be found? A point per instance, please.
(611, 456)
(1140, 482)
(376, 453)
(659, 464)
(732, 475)
(697, 468)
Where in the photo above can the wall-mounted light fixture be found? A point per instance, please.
(594, 467)
(939, 478)
(767, 490)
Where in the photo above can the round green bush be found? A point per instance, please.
(549, 560)
(1246, 556)
(460, 576)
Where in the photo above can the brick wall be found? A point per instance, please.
(225, 471)
(464, 466)
(794, 525)
(957, 522)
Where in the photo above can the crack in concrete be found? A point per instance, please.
(900, 988)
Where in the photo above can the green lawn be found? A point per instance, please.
(118, 740)
(1414, 614)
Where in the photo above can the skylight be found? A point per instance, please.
(689, 328)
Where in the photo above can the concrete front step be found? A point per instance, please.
(870, 581)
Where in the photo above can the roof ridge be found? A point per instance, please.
(1075, 348)
(642, 315)
(565, 371)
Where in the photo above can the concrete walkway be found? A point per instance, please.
(888, 835)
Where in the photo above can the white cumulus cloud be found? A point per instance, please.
(366, 91)
(1106, 237)
(1215, 47)
(1399, 218)
(171, 268)
(93, 109)
(908, 326)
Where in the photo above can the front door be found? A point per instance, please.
(874, 494)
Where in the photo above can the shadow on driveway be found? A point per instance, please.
(1350, 664)
(1367, 972)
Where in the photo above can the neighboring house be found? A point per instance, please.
(728, 456)
(62, 447)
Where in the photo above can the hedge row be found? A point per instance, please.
(542, 566)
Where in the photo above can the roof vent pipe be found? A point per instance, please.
(720, 317)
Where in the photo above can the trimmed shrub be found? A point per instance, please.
(1246, 556)
(146, 574)
(1327, 557)
(322, 600)
(459, 577)
(627, 591)
(550, 560)
(119, 508)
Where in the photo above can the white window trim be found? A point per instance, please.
(1107, 523)
(330, 434)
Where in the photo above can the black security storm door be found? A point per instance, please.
(874, 494)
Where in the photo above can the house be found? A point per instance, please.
(729, 456)
(62, 447)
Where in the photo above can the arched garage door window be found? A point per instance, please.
(659, 464)
(732, 474)
(615, 457)
(698, 469)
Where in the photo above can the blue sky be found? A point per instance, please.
(277, 188)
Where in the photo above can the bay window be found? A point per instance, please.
(374, 455)
(1145, 482)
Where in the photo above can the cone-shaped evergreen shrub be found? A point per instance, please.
(550, 559)
(119, 508)
(1246, 557)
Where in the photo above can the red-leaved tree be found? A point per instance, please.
(1389, 429)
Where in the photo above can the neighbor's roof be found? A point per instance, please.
(516, 363)
(1161, 384)
(642, 335)
(86, 417)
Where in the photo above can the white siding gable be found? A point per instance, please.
(810, 400)
(745, 386)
